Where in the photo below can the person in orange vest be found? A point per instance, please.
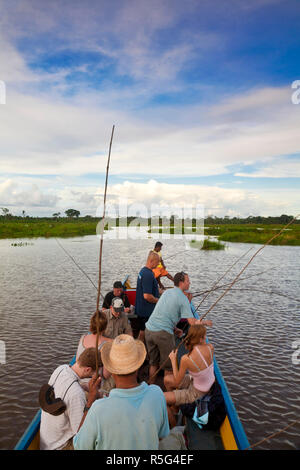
(160, 270)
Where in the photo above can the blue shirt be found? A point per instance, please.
(128, 419)
(146, 284)
(170, 308)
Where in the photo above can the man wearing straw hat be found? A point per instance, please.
(134, 416)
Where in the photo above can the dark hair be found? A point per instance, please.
(102, 322)
(157, 244)
(118, 285)
(179, 277)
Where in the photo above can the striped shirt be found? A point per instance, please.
(55, 431)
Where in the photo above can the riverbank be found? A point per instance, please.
(244, 233)
(65, 227)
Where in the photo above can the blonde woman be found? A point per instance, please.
(196, 375)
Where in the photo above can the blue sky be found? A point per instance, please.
(199, 92)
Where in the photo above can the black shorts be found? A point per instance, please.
(138, 323)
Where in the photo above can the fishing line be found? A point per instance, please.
(230, 286)
(251, 259)
(198, 294)
(273, 435)
(217, 282)
(75, 262)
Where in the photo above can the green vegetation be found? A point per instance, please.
(252, 233)
(22, 244)
(46, 227)
(207, 244)
(248, 230)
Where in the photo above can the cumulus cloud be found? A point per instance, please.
(12, 195)
(153, 198)
(51, 126)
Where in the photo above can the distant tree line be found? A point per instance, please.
(173, 220)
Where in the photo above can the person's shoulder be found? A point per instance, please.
(60, 369)
(99, 403)
(155, 390)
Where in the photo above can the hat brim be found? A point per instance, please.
(127, 367)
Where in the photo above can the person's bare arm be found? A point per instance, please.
(178, 374)
(92, 396)
(150, 298)
(193, 321)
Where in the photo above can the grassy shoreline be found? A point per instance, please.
(64, 227)
(207, 244)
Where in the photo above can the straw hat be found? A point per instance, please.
(123, 355)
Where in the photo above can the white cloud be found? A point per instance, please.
(12, 195)
(283, 168)
(155, 196)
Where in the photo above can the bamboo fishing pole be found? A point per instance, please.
(217, 282)
(101, 250)
(230, 286)
(251, 259)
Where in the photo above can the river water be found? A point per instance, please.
(46, 303)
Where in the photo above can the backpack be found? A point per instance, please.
(213, 402)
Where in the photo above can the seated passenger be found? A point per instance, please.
(57, 431)
(89, 341)
(117, 320)
(195, 376)
(134, 416)
(118, 291)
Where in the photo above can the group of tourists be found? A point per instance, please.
(105, 405)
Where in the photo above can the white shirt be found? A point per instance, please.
(55, 431)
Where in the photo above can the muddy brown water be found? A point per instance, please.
(46, 303)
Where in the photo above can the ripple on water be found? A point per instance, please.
(46, 304)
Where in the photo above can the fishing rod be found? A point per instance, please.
(198, 294)
(217, 282)
(100, 252)
(230, 286)
(266, 292)
(245, 267)
(273, 435)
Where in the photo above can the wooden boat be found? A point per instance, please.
(230, 436)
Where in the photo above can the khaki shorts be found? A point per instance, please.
(186, 392)
(159, 345)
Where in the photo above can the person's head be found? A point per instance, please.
(182, 281)
(85, 365)
(117, 306)
(152, 260)
(196, 335)
(158, 246)
(117, 288)
(123, 356)
(102, 322)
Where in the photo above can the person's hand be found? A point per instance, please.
(178, 332)
(207, 322)
(173, 355)
(93, 388)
